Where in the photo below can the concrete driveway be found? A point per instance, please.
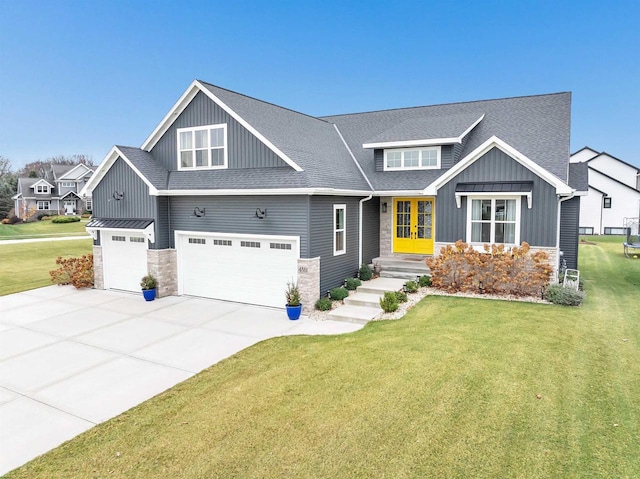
(70, 359)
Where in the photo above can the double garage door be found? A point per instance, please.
(247, 269)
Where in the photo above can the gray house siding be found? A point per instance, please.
(569, 219)
(333, 269)
(537, 225)
(244, 149)
(163, 240)
(136, 202)
(286, 216)
(370, 230)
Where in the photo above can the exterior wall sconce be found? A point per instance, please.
(198, 212)
(261, 214)
(383, 207)
(117, 195)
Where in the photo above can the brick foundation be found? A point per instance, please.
(162, 263)
(98, 268)
(309, 282)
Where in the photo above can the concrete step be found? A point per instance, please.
(354, 314)
(379, 286)
(364, 299)
(405, 275)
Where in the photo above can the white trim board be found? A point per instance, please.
(66, 175)
(264, 191)
(184, 101)
(106, 165)
(495, 142)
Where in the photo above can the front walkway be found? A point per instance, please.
(70, 359)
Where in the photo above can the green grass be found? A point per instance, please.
(448, 391)
(26, 265)
(42, 229)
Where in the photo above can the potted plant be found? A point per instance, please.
(149, 286)
(294, 304)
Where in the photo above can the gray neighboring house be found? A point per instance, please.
(56, 194)
(231, 197)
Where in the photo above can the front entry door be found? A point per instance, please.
(413, 225)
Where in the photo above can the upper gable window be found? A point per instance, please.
(43, 189)
(426, 158)
(203, 147)
(68, 184)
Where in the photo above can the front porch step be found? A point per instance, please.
(354, 314)
(405, 275)
(407, 267)
(364, 299)
(380, 285)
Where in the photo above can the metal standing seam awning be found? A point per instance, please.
(130, 225)
(495, 188)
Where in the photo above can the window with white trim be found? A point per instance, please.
(42, 189)
(43, 205)
(426, 158)
(339, 229)
(89, 203)
(202, 147)
(493, 220)
(68, 184)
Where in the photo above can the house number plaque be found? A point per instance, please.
(303, 269)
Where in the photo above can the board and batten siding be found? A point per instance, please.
(537, 225)
(136, 201)
(370, 230)
(569, 222)
(333, 269)
(244, 150)
(286, 216)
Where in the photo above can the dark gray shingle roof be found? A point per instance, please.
(495, 187)
(153, 171)
(579, 176)
(537, 126)
(124, 223)
(427, 128)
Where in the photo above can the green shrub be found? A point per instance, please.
(558, 294)
(338, 293)
(41, 216)
(352, 283)
(323, 304)
(389, 303)
(401, 297)
(292, 294)
(411, 286)
(65, 219)
(148, 282)
(424, 281)
(365, 272)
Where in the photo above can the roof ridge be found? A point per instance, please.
(449, 103)
(265, 102)
(614, 179)
(615, 158)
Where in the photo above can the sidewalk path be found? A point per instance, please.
(39, 240)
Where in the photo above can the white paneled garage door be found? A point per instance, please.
(124, 257)
(246, 269)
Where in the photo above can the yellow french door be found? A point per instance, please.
(413, 225)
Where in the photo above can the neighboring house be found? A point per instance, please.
(231, 197)
(613, 202)
(56, 194)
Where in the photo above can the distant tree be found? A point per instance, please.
(33, 174)
(8, 182)
(42, 168)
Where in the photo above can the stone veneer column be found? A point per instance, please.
(98, 268)
(162, 263)
(386, 225)
(308, 282)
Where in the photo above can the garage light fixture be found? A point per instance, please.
(384, 207)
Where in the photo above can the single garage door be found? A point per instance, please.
(246, 269)
(124, 258)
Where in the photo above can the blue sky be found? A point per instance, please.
(80, 76)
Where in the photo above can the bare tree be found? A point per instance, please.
(5, 166)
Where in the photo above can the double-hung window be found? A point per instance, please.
(203, 147)
(607, 201)
(43, 205)
(42, 189)
(425, 158)
(68, 184)
(493, 220)
(339, 229)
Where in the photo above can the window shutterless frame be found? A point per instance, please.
(202, 147)
(339, 229)
(406, 159)
(492, 219)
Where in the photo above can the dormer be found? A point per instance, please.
(42, 187)
(425, 143)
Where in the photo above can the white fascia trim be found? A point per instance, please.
(148, 232)
(425, 142)
(66, 177)
(580, 193)
(16, 196)
(106, 165)
(489, 194)
(42, 181)
(400, 193)
(264, 192)
(561, 187)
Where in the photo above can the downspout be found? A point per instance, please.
(362, 200)
(560, 201)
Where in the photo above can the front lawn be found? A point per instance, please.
(458, 388)
(27, 265)
(42, 229)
